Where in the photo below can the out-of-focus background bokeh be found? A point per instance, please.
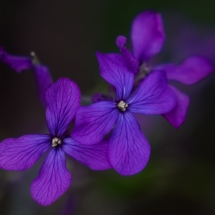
(180, 175)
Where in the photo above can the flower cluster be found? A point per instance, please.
(106, 133)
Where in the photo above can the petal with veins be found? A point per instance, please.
(115, 70)
(63, 99)
(93, 122)
(129, 150)
(21, 153)
(94, 156)
(53, 180)
(153, 95)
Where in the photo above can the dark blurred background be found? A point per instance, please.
(180, 175)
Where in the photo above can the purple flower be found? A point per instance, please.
(15, 62)
(147, 36)
(62, 99)
(128, 149)
(41, 72)
(188, 38)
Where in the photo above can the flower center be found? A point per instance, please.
(122, 106)
(56, 141)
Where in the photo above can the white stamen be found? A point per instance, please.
(122, 105)
(56, 141)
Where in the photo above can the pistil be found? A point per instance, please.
(131, 60)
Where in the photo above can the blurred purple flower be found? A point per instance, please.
(188, 38)
(15, 62)
(41, 72)
(128, 148)
(62, 99)
(147, 37)
(43, 81)
(189, 71)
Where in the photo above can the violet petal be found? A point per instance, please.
(53, 179)
(147, 35)
(17, 63)
(63, 99)
(93, 122)
(114, 70)
(153, 95)
(94, 156)
(190, 71)
(21, 153)
(129, 150)
(177, 115)
(43, 81)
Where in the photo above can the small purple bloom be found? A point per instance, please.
(62, 99)
(147, 35)
(128, 148)
(15, 62)
(41, 72)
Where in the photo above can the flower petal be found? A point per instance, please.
(94, 156)
(153, 95)
(190, 71)
(15, 62)
(147, 35)
(63, 99)
(115, 70)
(93, 122)
(177, 115)
(21, 153)
(53, 180)
(129, 150)
(43, 80)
